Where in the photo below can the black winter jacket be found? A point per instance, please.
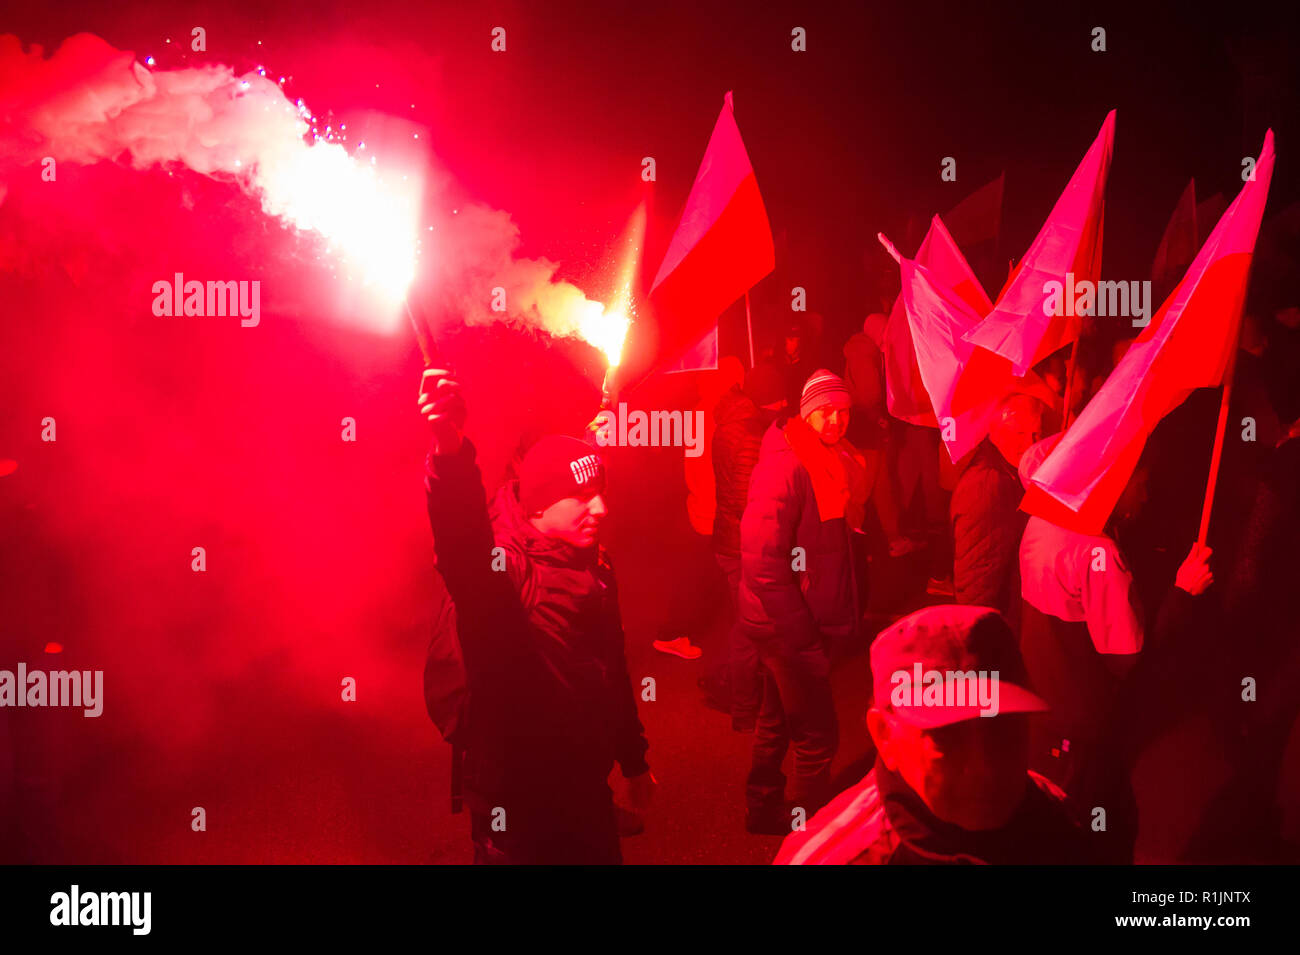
(776, 600)
(881, 821)
(542, 638)
(987, 525)
(738, 432)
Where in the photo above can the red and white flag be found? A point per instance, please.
(1020, 328)
(905, 392)
(1187, 345)
(721, 248)
(941, 303)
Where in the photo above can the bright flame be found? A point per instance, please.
(370, 222)
(90, 102)
(607, 329)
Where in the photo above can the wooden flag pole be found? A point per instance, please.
(1213, 481)
(749, 325)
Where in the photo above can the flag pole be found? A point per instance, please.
(1069, 384)
(749, 325)
(1213, 480)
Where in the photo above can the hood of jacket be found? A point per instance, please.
(733, 406)
(1040, 832)
(987, 455)
(774, 441)
(860, 347)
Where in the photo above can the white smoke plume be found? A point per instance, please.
(90, 102)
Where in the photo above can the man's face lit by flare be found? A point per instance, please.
(972, 774)
(830, 423)
(574, 520)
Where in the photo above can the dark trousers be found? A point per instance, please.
(797, 709)
(574, 827)
(744, 677)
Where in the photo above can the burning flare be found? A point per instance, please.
(370, 222)
(90, 102)
(606, 330)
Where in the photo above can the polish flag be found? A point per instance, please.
(941, 303)
(1019, 328)
(905, 392)
(1188, 345)
(722, 247)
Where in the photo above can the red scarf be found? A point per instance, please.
(839, 473)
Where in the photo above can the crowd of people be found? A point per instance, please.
(1094, 641)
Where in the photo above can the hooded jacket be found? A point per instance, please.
(987, 525)
(881, 821)
(542, 638)
(776, 600)
(864, 373)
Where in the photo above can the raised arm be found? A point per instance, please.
(458, 517)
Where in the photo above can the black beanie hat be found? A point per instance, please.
(557, 467)
(766, 384)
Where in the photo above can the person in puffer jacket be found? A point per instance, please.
(551, 707)
(987, 522)
(797, 594)
(740, 419)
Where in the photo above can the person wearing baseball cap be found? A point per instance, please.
(797, 593)
(951, 783)
(526, 673)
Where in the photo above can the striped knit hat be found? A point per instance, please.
(823, 388)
